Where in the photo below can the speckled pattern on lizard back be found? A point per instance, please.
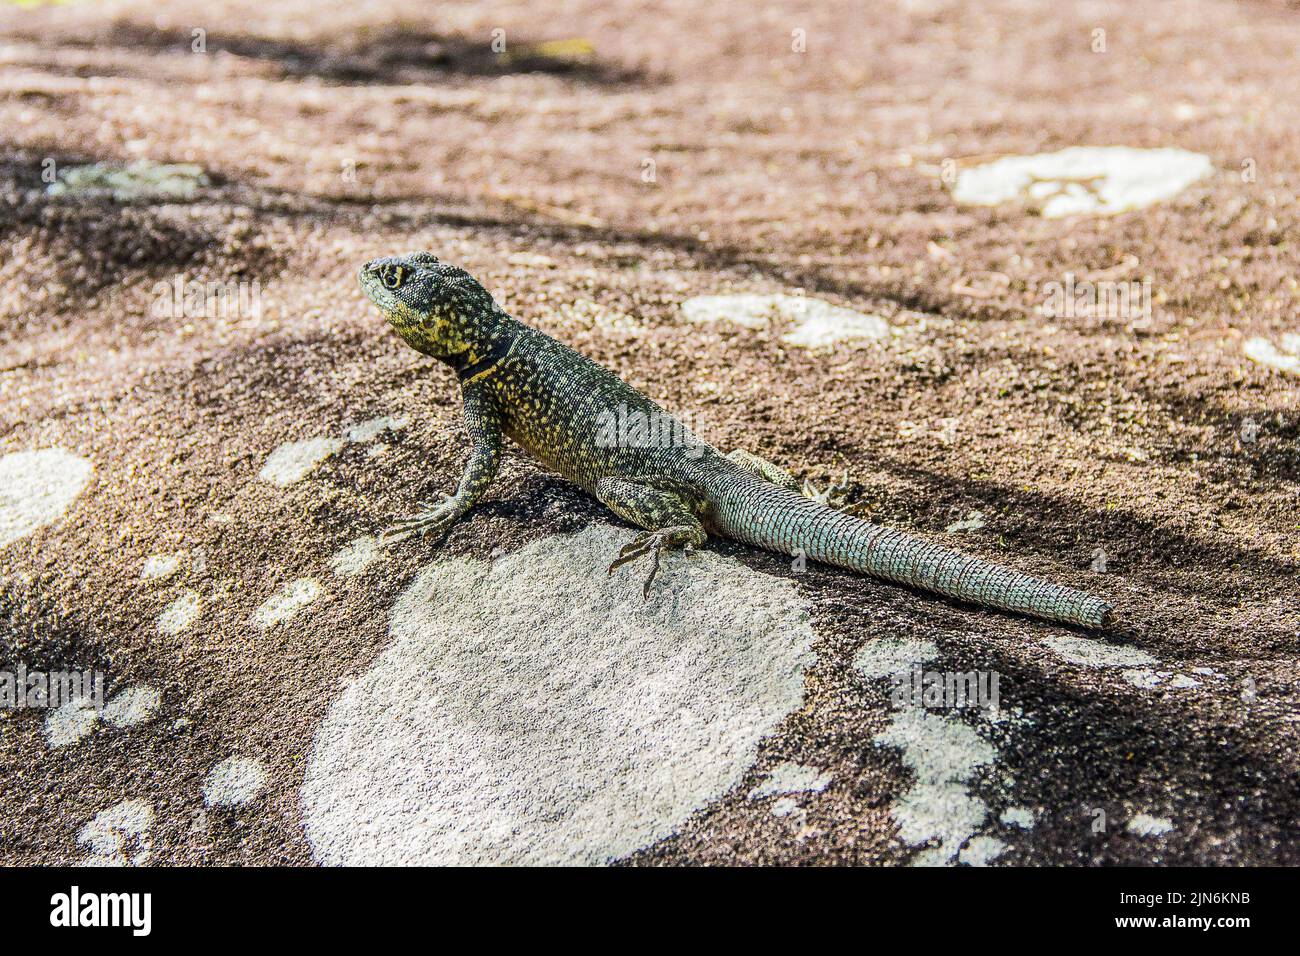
(585, 423)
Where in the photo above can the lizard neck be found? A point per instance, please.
(459, 342)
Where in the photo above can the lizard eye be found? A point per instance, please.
(393, 277)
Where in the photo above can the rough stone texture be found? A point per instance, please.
(1151, 458)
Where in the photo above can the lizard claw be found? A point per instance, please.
(652, 542)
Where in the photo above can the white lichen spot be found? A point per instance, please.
(792, 778)
(537, 710)
(821, 325)
(1143, 824)
(159, 567)
(287, 602)
(374, 427)
(748, 310)
(891, 656)
(68, 723)
(1285, 359)
(356, 556)
(1090, 653)
(1136, 664)
(180, 613)
(784, 807)
(36, 488)
(1083, 180)
(815, 323)
(1147, 680)
(1011, 717)
(119, 836)
(293, 461)
(1021, 817)
(944, 754)
(973, 522)
(132, 706)
(234, 782)
(981, 851)
(587, 314)
(141, 178)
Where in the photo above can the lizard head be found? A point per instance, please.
(439, 309)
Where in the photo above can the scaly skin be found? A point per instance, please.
(581, 420)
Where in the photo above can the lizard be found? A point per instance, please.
(569, 413)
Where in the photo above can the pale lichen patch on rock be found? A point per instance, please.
(1284, 359)
(892, 656)
(356, 556)
(785, 807)
(944, 754)
(160, 567)
(791, 777)
(142, 178)
(293, 461)
(76, 719)
(287, 602)
(234, 782)
(374, 427)
(1144, 824)
(1093, 653)
(180, 613)
(815, 323)
(1083, 180)
(1136, 666)
(132, 706)
(36, 488)
(973, 521)
(119, 836)
(535, 709)
(981, 851)
(70, 722)
(1021, 817)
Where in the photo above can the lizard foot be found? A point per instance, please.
(649, 543)
(653, 543)
(436, 518)
(832, 496)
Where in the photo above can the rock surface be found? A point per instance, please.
(204, 427)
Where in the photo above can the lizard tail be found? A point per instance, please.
(756, 512)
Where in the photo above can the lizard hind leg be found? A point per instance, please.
(757, 465)
(668, 519)
(832, 496)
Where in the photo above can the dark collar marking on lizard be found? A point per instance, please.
(491, 358)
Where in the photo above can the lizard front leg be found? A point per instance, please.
(483, 423)
(666, 516)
